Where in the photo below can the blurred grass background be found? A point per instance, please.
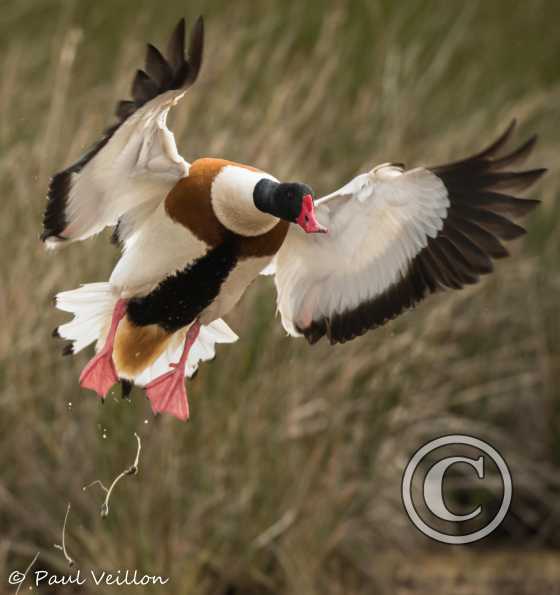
(287, 479)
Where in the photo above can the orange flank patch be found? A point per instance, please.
(137, 347)
(189, 201)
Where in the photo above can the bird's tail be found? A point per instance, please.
(92, 306)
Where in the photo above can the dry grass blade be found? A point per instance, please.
(275, 530)
(26, 573)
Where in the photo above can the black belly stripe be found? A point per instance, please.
(180, 298)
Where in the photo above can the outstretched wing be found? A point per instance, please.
(129, 171)
(396, 236)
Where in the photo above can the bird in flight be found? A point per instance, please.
(195, 235)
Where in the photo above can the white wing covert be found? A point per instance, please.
(123, 177)
(396, 236)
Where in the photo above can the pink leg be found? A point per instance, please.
(100, 374)
(167, 393)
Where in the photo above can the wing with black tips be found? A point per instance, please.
(396, 236)
(135, 163)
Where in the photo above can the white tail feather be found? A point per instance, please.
(92, 306)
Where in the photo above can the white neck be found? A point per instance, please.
(232, 201)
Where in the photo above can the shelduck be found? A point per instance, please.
(195, 235)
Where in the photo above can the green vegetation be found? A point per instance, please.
(309, 441)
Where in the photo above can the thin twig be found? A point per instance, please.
(27, 572)
(94, 482)
(132, 470)
(62, 547)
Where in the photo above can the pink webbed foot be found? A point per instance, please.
(167, 393)
(100, 374)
